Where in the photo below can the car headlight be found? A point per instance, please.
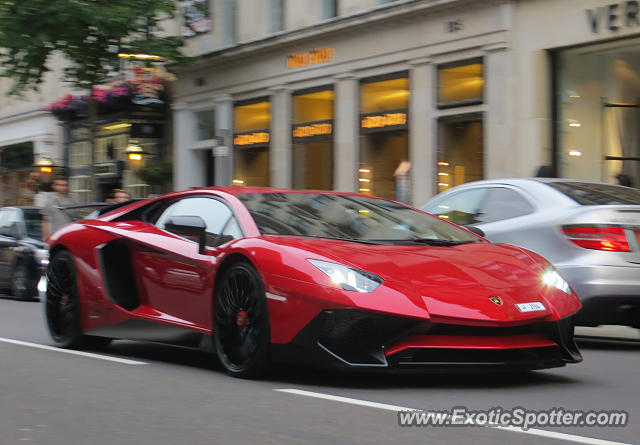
(349, 278)
(42, 257)
(552, 277)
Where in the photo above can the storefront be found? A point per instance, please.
(129, 149)
(583, 74)
(312, 136)
(598, 103)
(251, 139)
(27, 140)
(384, 142)
(390, 119)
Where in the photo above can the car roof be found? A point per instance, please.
(21, 207)
(237, 190)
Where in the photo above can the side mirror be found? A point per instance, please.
(191, 227)
(477, 230)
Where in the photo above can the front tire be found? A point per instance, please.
(21, 287)
(62, 306)
(241, 322)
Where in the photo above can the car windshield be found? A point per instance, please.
(589, 193)
(352, 218)
(33, 223)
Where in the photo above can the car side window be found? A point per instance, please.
(4, 218)
(503, 203)
(214, 213)
(460, 208)
(9, 221)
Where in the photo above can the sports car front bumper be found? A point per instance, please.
(354, 339)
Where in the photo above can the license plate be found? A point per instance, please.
(531, 307)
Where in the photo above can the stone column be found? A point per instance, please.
(500, 152)
(187, 164)
(422, 130)
(224, 135)
(280, 140)
(346, 135)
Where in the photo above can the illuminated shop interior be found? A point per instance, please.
(598, 108)
(460, 150)
(312, 156)
(460, 83)
(252, 122)
(384, 137)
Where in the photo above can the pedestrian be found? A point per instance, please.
(624, 180)
(402, 175)
(120, 195)
(53, 216)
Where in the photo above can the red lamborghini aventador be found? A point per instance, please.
(323, 278)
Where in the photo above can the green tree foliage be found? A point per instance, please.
(88, 33)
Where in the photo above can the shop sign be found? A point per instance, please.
(384, 120)
(249, 139)
(314, 57)
(306, 131)
(614, 16)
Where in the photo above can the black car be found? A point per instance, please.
(23, 254)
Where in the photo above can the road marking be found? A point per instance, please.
(396, 408)
(72, 352)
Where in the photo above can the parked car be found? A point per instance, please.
(23, 255)
(324, 278)
(589, 230)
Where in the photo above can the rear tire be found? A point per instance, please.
(241, 322)
(62, 306)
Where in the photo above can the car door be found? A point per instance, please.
(178, 282)
(8, 242)
(4, 246)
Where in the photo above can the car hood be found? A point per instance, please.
(477, 281)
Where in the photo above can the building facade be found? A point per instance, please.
(28, 134)
(404, 99)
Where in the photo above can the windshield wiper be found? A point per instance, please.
(353, 240)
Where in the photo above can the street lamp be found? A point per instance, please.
(44, 164)
(134, 151)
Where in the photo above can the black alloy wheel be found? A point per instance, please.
(241, 322)
(62, 305)
(21, 288)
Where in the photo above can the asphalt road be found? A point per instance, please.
(166, 395)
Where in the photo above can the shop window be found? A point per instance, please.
(230, 14)
(460, 150)
(251, 143)
(384, 144)
(196, 17)
(384, 95)
(460, 83)
(205, 125)
(312, 157)
(79, 153)
(80, 188)
(329, 9)
(597, 102)
(276, 15)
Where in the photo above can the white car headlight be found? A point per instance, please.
(42, 256)
(349, 278)
(551, 277)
